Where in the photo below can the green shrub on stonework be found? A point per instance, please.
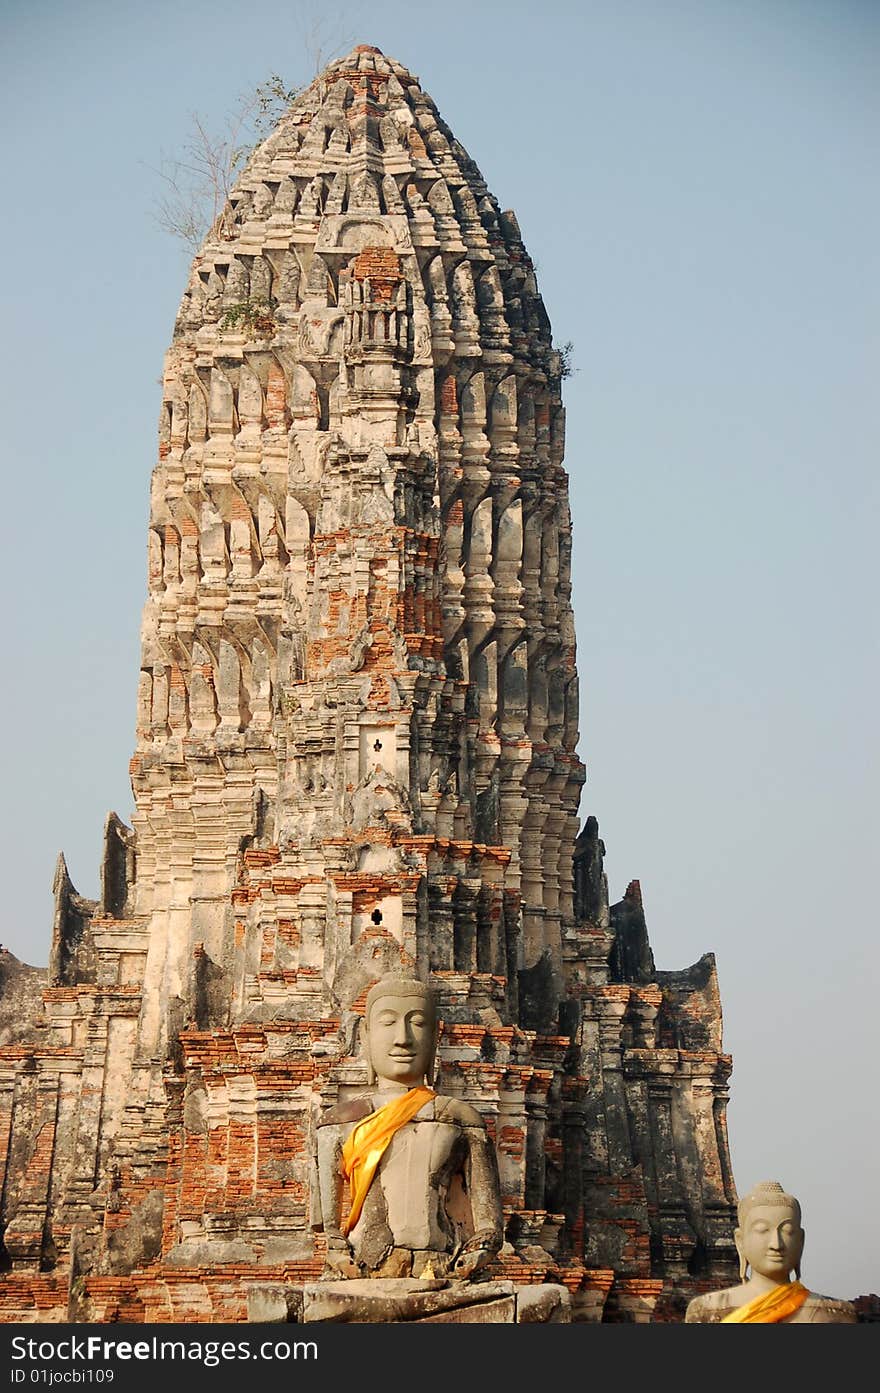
(254, 316)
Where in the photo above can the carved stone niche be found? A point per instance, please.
(345, 233)
(385, 913)
(378, 748)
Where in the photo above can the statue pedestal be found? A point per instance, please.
(387, 1300)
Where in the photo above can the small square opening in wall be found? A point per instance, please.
(378, 749)
(386, 916)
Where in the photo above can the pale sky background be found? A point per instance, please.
(697, 182)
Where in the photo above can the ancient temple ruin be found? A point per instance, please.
(356, 751)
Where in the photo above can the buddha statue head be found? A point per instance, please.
(769, 1238)
(400, 1032)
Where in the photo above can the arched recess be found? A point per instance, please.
(507, 552)
(513, 694)
(473, 402)
(503, 418)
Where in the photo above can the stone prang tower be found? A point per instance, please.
(356, 752)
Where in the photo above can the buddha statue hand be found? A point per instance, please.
(474, 1254)
(339, 1261)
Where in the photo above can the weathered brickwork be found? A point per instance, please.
(356, 752)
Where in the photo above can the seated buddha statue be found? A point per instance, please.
(421, 1170)
(770, 1243)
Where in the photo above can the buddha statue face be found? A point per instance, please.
(771, 1240)
(400, 1031)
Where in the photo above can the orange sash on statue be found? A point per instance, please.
(367, 1143)
(773, 1306)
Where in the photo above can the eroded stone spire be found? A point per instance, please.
(358, 658)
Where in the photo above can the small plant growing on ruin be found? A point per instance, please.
(566, 360)
(196, 182)
(254, 316)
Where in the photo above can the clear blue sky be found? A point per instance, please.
(697, 181)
